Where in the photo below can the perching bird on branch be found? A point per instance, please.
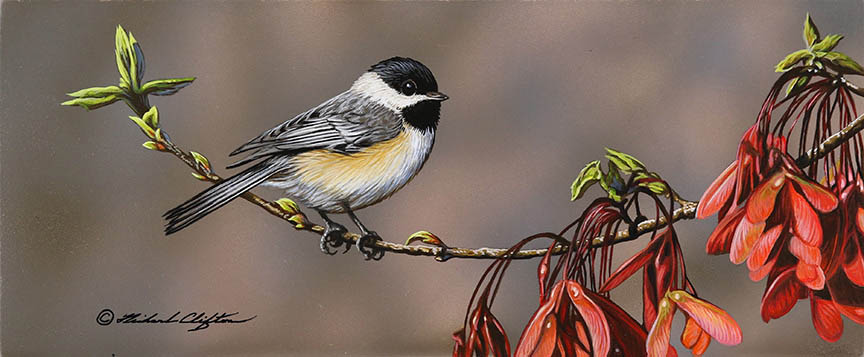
(350, 152)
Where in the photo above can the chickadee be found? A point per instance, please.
(350, 152)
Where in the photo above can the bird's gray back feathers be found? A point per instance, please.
(345, 123)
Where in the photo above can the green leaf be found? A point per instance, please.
(288, 206)
(613, 194)
(798, 83)
(652, 182)
(151, 117)
(791, 59)
(200, 159)
(818, 64)
(135, 71)
(843, 63)
(425, 237)
(811, 33)
(120, 41)
(624, 162)
(151, 145)
(612, 182)
(613, 177)
(604, 184)
(96, 92)
(657, 187)
(828, 43)
(130, 59)
(166, 86)
(299, 221)
(144, 127)
(619, 164)
(589, 175)
(91, 103)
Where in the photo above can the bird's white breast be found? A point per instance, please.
(327, 180)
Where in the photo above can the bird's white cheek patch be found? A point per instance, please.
(371, 86)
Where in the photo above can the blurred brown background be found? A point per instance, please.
(538, 89)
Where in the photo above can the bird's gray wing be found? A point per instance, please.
(345, 123)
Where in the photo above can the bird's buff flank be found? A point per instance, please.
(319, 178)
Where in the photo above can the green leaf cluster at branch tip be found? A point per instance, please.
(294, 215)
(202, 165)
(612, 182)
(149, 124)
(130, 65)
(818, 54)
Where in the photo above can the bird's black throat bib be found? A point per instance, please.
(423, 115)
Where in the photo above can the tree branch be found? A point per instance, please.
(688, 211)
(831, 143)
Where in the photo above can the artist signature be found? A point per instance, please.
(200, 320)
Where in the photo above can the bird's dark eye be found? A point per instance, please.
(409, 87)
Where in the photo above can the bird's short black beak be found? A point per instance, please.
(437, 96)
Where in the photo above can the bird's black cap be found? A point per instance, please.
(396, 70)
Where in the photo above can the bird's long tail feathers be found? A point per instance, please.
(218, 195)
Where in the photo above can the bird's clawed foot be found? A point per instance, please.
(366, 245)
(332, 238)
(333, 232)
